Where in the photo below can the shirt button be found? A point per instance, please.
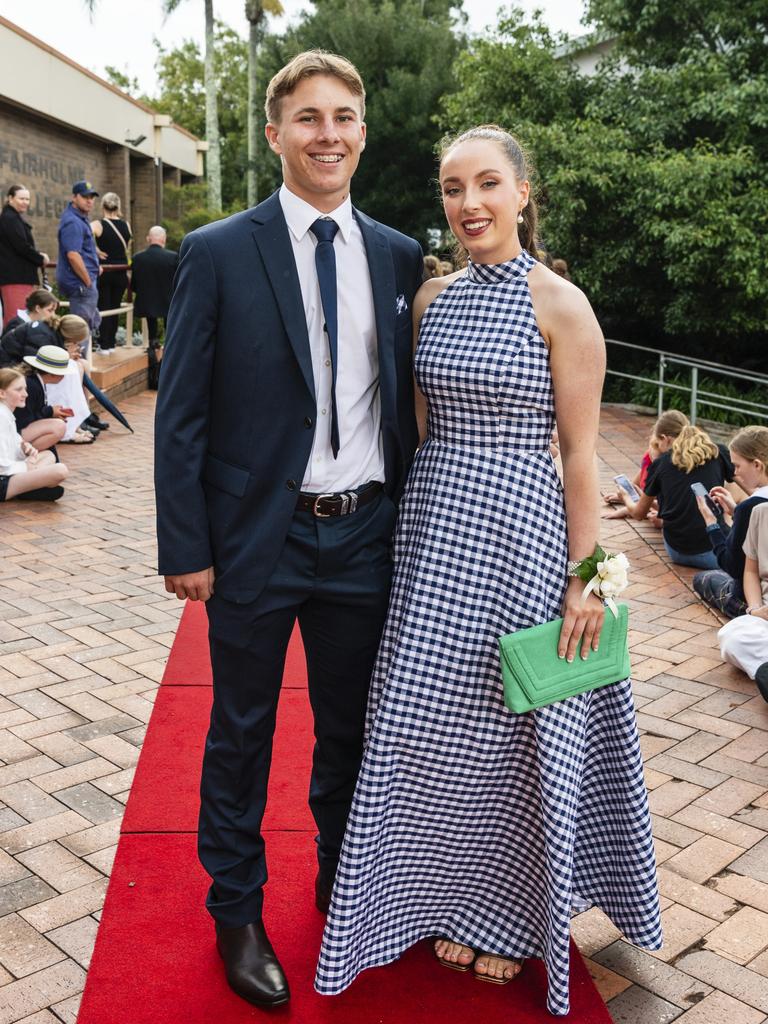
(291, 485)
(324, 412)
(307, 422)
(327, 362)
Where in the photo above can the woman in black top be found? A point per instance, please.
(723, 587)
(691, 458)
(20, 259)
(113, 237)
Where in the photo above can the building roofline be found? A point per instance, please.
(85, 71)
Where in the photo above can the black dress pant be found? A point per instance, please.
(112, 285)
(334, 576)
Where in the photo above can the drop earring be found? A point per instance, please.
(520, 218)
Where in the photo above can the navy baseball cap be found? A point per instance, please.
(83, 188)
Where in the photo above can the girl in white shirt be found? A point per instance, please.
(22, 467)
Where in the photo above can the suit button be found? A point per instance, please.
(291, 485)
(307, 422)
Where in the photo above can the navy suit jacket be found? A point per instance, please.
(236, 404)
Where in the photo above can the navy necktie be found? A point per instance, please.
(325, 261)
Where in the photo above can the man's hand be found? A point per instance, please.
(194, 586)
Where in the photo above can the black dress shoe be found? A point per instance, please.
(94, 421)
(42, 494)
(323, 890)
(251, 966)
(761, 678)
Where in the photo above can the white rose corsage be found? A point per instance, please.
(605, 575)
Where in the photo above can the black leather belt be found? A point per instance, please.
(342, 504)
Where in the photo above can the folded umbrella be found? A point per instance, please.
(108, 404)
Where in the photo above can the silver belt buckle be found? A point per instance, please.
(315, 508)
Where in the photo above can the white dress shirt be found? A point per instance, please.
(11, 456)
(361, 456)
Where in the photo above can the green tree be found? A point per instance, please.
(212, 135)
(652, 173)
(182, 95)
(256, 12)
(404, 50)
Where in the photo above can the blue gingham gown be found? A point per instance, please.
(469, 821)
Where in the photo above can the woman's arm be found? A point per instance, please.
(752, 591)
(638, 509)
(577, 360)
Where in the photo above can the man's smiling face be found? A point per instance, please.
(319, 139)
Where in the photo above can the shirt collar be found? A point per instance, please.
(300, 216)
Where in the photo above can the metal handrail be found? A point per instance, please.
(699, 397)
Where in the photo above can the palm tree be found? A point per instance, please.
(213, 157)
(256, 12)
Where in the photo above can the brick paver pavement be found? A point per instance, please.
(85, 627)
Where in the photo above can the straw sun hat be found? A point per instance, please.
(51, 359)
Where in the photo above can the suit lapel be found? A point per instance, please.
(382, 273)
(271, 236)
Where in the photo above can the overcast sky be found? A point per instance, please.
(120, 33)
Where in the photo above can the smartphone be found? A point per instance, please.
(701, 492)
(626, 485)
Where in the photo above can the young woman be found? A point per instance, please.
(113, 238)
(689, 458)
(73, 332)
(20, 260)
(744, 640)
(471, 823)
(24, 335)
(23, 468)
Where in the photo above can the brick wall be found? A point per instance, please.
(47, 159)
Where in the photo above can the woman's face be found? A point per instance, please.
(43, 313)
(20, 201)
(482, 199)
(15, 395)
(748, 473)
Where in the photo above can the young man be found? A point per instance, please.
(285, 429)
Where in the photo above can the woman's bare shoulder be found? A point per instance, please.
(430, 290)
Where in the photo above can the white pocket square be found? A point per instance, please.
(400, 304)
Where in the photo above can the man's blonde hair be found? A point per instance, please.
(305, 65)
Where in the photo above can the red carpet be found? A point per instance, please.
(155, 961)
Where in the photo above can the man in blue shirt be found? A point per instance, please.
(77, 269)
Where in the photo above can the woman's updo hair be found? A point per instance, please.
(111, 201)
(670, 423)
(73, 328)
(751, 443)
(528, 231)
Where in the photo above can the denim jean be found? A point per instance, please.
(84, 302)
(721, 591)
(701, 560)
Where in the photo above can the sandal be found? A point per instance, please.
(496, 956)
(453, 965)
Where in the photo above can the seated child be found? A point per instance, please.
(24, 471)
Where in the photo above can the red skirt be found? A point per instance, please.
(13, 297)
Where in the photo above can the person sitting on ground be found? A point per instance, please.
(722, 587)
(40, 306)
(28, 335)
(24, 471)
(664, 431)
(38, 422)
(72, 335)
(432, 267)
(744, 640)
(691, 458)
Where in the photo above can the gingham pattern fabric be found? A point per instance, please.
(469, 821)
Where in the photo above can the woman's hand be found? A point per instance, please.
(704, 510)
(29, 450)
(724, 499)
(760, 613)
(582, 620)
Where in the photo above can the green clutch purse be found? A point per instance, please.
(534, 676)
